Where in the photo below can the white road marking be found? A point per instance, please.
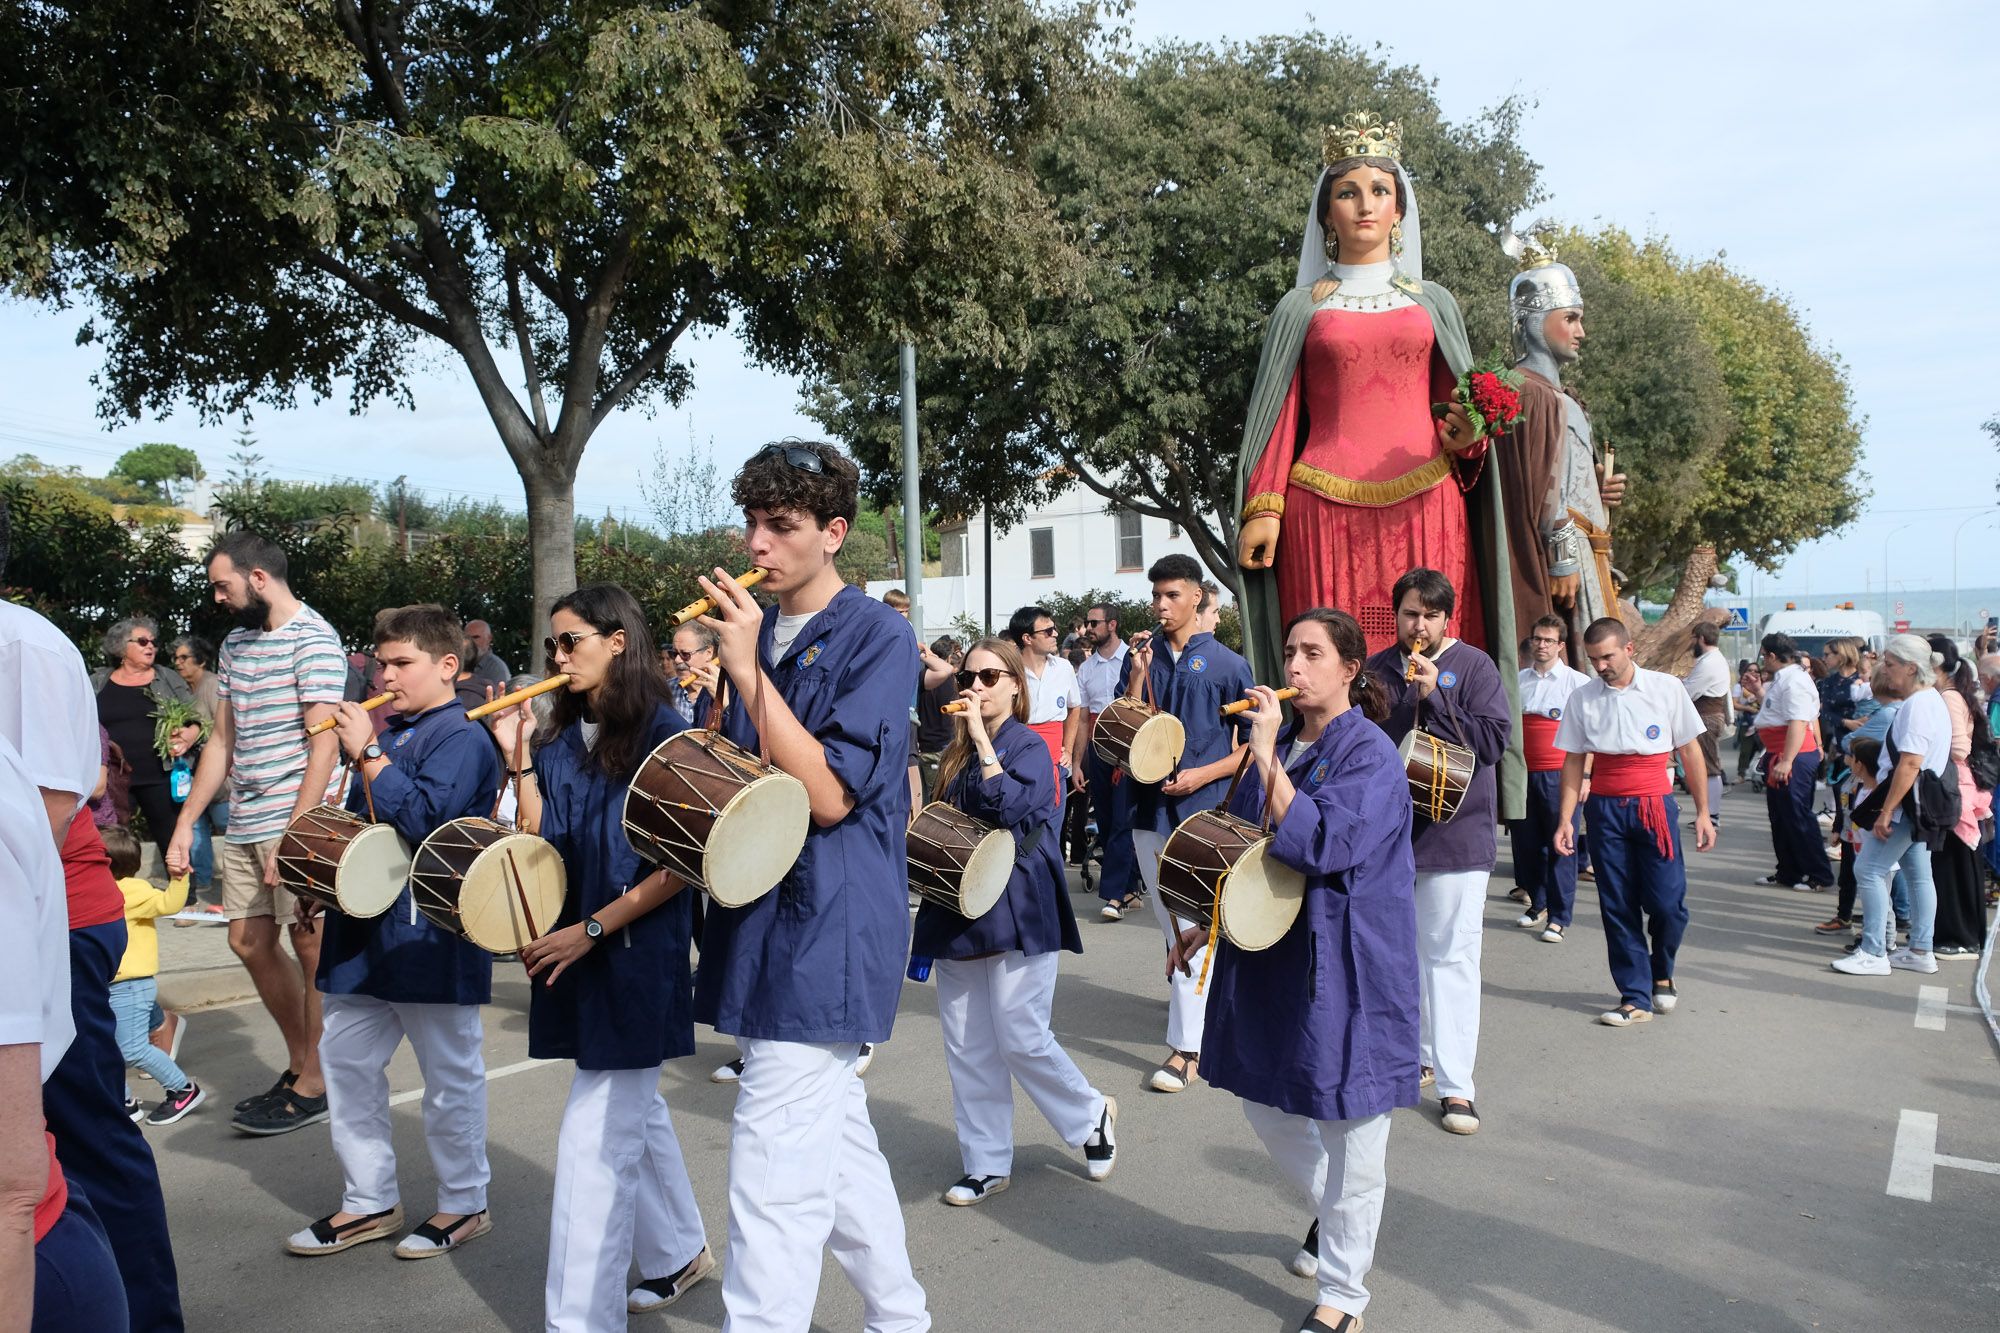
(1915, 1158)
(1969, 1164)
(403, 1098)
(1931, 1008)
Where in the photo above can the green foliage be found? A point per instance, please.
(162, 471)
(70, 559)
(1744, 435)
(1187, 186)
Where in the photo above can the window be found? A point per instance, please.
(1042, 553)
(1131, 545)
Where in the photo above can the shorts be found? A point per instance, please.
(240, 867)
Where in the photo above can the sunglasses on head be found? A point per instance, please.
(987, 676)
(795, 455)
(567, 641)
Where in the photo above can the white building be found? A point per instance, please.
(1074, 544)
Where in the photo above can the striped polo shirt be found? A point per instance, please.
(268, 677)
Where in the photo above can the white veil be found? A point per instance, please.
(1313, 263)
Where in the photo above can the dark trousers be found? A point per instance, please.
(1642, 895)
(1795, 834)
(1111, 797)
(99, 1147)
(156, 801)
(1961, 895)
(1549, 879)
(1076, 824)
(76, 1277)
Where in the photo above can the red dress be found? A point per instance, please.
(1369, 494)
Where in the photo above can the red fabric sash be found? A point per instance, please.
(55, 1196)
(1774, 740)
(1052, 734)
(1646, 777)
(1538, 734)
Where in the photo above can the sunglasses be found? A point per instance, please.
(1046, 632)
(1545, 642)
(795, 455)
(679, 653)
(567, 641)
(1092, 624)
(142, 641)
(988, 676)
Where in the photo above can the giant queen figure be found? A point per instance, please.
(1353, 470)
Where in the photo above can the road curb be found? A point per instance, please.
(205, 988)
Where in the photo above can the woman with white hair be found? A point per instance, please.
(130, 692)
(1919, 742)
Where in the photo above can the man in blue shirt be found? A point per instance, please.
(1192, 676)
(398, 974)
(805, 975)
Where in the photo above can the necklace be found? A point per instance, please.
(1340, 300)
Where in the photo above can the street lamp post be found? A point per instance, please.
(1888, 596)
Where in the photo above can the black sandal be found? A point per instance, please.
(1349, 1323)
(323, 1237)
(443, 1240)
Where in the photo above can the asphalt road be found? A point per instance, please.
(1726, 1167)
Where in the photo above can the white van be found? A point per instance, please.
(1812, 629)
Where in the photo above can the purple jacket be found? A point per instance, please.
(1324, 1023)
(1469, 707)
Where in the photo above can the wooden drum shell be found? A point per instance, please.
(1260, 895)
(960, 863)
(341, 861)
(1133, 735)
(464, 881)
(1419, 759)
(717, 816)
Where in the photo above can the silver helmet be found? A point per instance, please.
(1542, 285)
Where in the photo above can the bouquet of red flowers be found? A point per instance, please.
(1491, 396)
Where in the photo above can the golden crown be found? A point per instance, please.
(1362, 134)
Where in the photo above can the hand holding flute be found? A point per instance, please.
(1245, 705)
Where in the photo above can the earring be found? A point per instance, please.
(1396, 241)
(1332, 247)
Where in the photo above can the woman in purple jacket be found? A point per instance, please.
(1318, 1034)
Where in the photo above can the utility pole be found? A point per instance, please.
(913, 514)
(402, 519)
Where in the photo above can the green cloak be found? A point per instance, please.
(1263, 626)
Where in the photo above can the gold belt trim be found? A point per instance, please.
(1373, 494)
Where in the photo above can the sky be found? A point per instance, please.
(1842, 154)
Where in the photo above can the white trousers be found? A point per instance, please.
(806, 1173)
(357, 1037)
(1451, 908)
(622, 1197)
(1342, 1168)
(1187, 1010)
(995, 1016)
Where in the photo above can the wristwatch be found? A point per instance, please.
(373, 750)
(593, 927)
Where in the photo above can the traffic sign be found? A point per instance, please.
(1739, 618)
(1902, 627)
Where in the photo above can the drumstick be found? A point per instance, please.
(1244, 705)
(508, 700)
(521, 894)
(681, 617)
(329, 723)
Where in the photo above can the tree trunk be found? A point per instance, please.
(1663, 645)
(551, 538)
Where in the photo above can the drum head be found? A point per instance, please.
(373, 872)
(1261, 899)
(756, 839)
(1156, 748)
(1408, 746)
(986, 874)
(489, 909)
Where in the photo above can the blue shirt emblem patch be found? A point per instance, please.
(810, 655)
(1197, 665)
(1556, 713)
(401, 741)
(1653, 732)
(1319, 772)
(1447, 680)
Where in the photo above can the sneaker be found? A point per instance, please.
(278, 1089)
(861, 1061)
(1426, 1077)
(1530, 920)
(657, 1293)
(1625, 1016)
(281, 1115)
(1770, 882)
(1306, 1262)
(428, 1242)
(1909, 960)
(1552, 933)
(1832, 926)
(1586, 876)
(177, 1104)
(1861, 963)
(1664, 1000)
(135, 1110)
(974, 1189)
(1460, 1121)
(1100, 1150)
(323, 1237)
(729, 1073)
(169, 1034)
(1954, 953)
(1807, 886)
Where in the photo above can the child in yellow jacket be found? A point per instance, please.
(134, 988)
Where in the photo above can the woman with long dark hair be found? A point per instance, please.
(611, 987)
(1318, 1034)
(1955, 868)
(996, 976)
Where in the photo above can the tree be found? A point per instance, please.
(1786, 467)
(163, 471)
(1992, 429)
(1187, 187)
(261, 197)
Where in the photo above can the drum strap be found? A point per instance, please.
(367, 788)
(520, 744)
(1439, 768)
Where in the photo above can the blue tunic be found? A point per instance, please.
(1324, 1023)
(441, 767)
(1469, 706)
(1194, 690)
(820, 958)
(1034, 914)
(624, 1004)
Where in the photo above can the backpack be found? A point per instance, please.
(1931, 805)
